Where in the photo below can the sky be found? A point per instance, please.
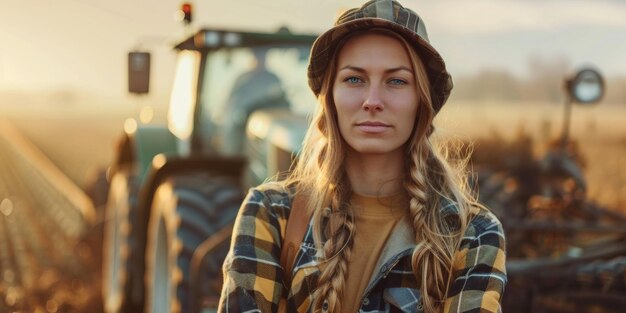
(83, 44)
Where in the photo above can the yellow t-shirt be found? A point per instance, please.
(374, 219)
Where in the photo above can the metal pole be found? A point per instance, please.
(566, 119)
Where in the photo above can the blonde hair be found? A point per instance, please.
(320, 173)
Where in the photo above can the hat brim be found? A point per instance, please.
(324, 47)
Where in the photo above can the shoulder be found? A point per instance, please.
(263, 215)
(274, 189)
(482, 226)
(483, 222)
(479, 218)
(272, 197)
(272, 193)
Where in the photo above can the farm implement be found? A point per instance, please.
(565, 253)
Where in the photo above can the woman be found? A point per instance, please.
(393, 227)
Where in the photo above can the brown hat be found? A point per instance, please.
(388, 14)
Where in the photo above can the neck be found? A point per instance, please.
(375, 174)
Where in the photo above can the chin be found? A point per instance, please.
(375, 148)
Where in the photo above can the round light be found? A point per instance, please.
(130, 126)
(211, 39)
(232, 39)
(587, 86)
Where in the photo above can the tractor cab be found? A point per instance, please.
(223, 76)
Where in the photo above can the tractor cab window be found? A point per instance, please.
(183, 97)
(239, 81)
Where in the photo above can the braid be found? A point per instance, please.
(416, 187)
(337, 249)
(332, 227)
(431, 260)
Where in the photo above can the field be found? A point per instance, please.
(82, 141)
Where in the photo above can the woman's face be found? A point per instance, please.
(375, 94)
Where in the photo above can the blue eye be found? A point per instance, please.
(353, 80)
(397, 81)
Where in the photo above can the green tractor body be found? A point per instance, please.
(237, 116)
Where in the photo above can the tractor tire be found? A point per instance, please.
(186, 210)
(119, 243)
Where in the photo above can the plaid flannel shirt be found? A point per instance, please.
(253, 276)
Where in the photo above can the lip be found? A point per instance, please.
(372, 127)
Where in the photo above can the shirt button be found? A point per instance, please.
(366, 301)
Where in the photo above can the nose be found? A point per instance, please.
(373, 101)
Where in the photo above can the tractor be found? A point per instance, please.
(237, 115)
(565, 253)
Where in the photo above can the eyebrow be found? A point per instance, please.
(361, 70)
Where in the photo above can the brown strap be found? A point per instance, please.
(297, 224)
